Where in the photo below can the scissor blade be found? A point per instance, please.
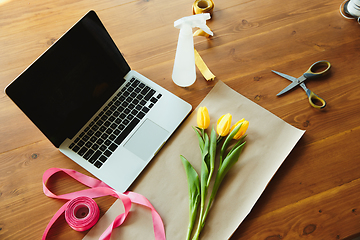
(289, 87)
(285, 76)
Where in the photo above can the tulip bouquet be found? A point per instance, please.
(198, 187)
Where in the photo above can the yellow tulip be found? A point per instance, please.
(223, 125)
(203, 118)
(242, 130)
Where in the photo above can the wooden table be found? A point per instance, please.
(314, 195)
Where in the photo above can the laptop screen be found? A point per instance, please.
(68, 84)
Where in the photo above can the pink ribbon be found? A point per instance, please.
(81, 199)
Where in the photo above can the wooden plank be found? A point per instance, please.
(316, 217)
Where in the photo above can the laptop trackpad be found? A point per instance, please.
(147, 139)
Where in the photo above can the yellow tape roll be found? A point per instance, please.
(203, 6)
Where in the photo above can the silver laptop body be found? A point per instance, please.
(84, 97)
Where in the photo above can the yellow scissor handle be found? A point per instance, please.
(317, 69)
(315, 101)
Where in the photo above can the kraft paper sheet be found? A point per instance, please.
(163, 182)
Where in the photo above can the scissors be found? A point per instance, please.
(312, 72)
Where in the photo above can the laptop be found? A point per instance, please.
(85, 99)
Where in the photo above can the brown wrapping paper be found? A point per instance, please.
(164, 183)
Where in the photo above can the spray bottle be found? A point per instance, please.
(184, 72)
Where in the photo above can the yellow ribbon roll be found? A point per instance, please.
(203, 6)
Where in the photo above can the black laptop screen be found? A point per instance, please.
(65, 87)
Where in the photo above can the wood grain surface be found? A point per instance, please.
(315, 193)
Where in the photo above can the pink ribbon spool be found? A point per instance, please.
(82, 213)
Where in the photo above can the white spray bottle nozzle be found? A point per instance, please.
(198, 20)
(184, 72)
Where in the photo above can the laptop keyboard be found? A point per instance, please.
(107, 131)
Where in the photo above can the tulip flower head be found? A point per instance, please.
(223, 125)
(242, 130)
(203, 118)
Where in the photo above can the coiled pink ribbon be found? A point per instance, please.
(80, 211)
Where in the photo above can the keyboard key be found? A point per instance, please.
(76, 148)
(88, 144)
(140, 115)
(145, 90)
(98, 164)
(134, 112)
(88, 154)
(145, 109)
(130, 116)
(104, 136)
(102, 148)
(126, 131)
(149, 94)
(135, 83)
(113, 108)
(107, 153)
(107, 123)
(81, 143)
(82, 151)
(112, 137)
(154, 100)
(103, 158)
(95, 157)
(113, 147)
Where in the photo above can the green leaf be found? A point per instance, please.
(194, 193)
(212, 154)
(240, 141)
(229, 161)
(200, 139)
(203, 182)
(227, 142)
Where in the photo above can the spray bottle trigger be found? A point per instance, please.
(206, 29)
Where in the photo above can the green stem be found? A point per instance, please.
(191, 223)
(203, 215)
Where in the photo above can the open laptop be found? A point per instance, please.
(87, 101)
